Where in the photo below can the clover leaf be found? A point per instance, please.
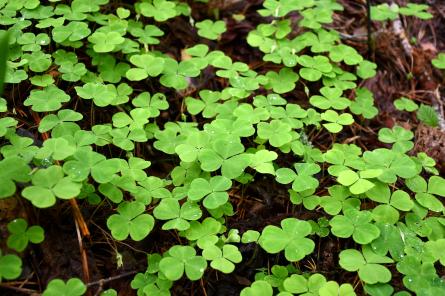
(148, 34)
(130, 220)
(206, 104)
(56, 148)
(227, 155)
(147, 65)
(405, 104)
(336, 122)
(179, 215)
(20, 234)
(439, 61)
(211, 30)
(10, 266)
(203, 233)
(73, 31)
(337, 200)
(73, 287)
(222, 259)
(193, 146)
(303, 179)
(22, 147)
(367, 265)
(332, 288)
(12, 169)
(358, 182)
(364, 104)
(160, 10)
(425, 191)
(48, 99)
(393, 164)
(283, 81)
(49, 183)
(101, 94)
(85, 162)
(399, 136)
(105, 42)
(291, 238)
(391, 203)
(276, 131)
(331, 99)
(175, 74)
(355, 223)
(63, 118)
(314, 67)
(417, 10)
(366, 69)
(38, 61)
(346, 54)
(258, 288)
(213, 191)
(298, 284)
(180, 259)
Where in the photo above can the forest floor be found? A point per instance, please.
(401, 73)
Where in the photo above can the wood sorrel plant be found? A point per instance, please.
(148, 104)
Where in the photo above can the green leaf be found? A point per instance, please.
(183, 258)
(130, 220)
(427, 115)
(73, 287)
(20, 234)
(10, 267)
(211, 30)
(258, 288)
(48, 99)
(12, 169)
(291, 238)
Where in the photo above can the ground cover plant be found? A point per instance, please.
(276, 147)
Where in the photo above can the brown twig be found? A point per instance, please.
(18, 289)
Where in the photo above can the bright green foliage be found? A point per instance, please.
(12, 169)
(427, 115)
(155, 133)
(356, 224)
(291, 238)
(169, 209)
(211, 30)
(400, 137)
(303, 179)
(147, 65)
(405, 104)
(336, 122)
(105, 42)
(182, 259)
(222, 259)
(314, 67)
(73, 287)
(20, 234)
(130, 220)
(10, 267)
(439, 61)
(283, 81)
(160, 10)
(48, 99)
(367, 264)
(331, 98)
(332, 288)
(213, 191)
(49, 183)
(364, 104)
(260, 288)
